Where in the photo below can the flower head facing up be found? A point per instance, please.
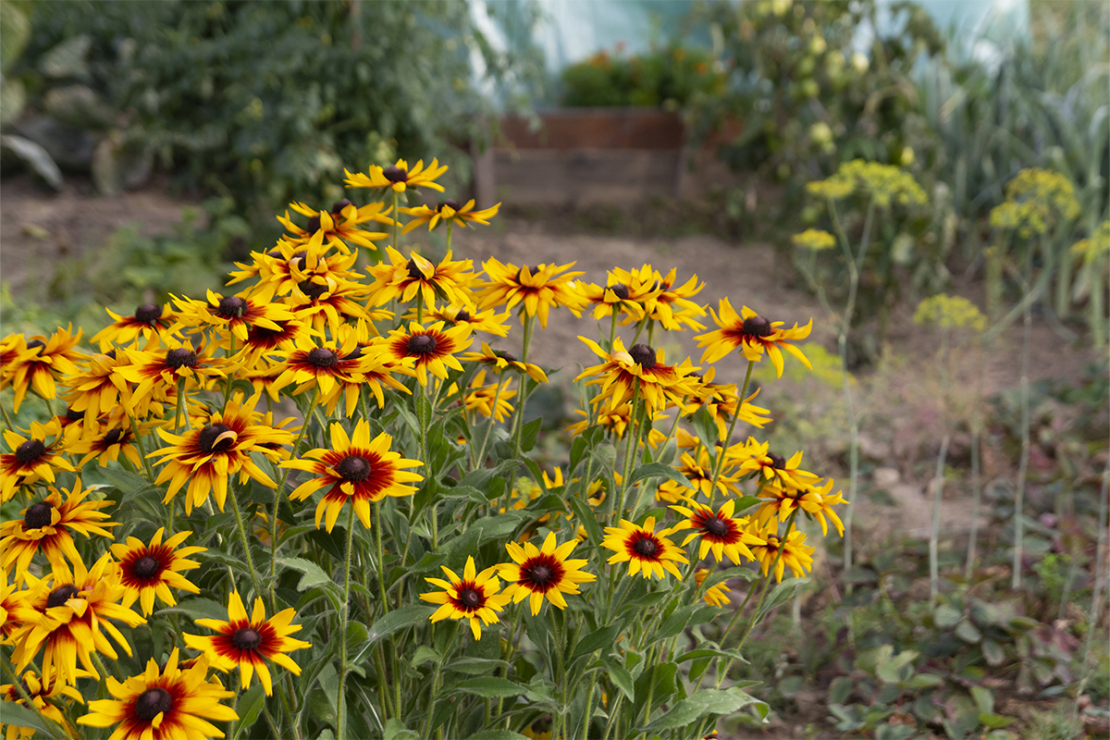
(645, 550)
(418, 278)
(719, 532)
(545, 572)
(163, 703)
(357, 469)
(149, 570)
(473, 597)
(249, 642)
(38, 363)
(31, 459)
(753, 335)
(398, 177)
(432, 349)
(233, 314)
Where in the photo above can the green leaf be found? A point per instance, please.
(598, 640)
(18, 715)
(702, 652)
(703, 703)
(529, 434)
(587, 519)
(968, 632)
(249, 707)
(993, 653)
(996, 721)
(395, 730)
(746, 502)
(314, 576)
(407, 616)
(779, 596)
(577, 450)
(425, 654)
(945, 616)
(658, 470)
(622, 679)
(198, 608)
(490, 687)
(984, 699)
(497, 735)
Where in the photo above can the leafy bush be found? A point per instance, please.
(671, 77)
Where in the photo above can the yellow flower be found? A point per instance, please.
(814, 239)
(233, 314)
(338, 226)
(671, 306)
(752, 335)
(43, 695)
(796, 554)
(31, 459)
(480, 397)
(536, 289)
(488, 321)
(159, 367)
(950, 312)
(714, 595)
(149, 320)
(545, 572)
(448, 212)
(150, 570)
(398, 177)
(40, 362)
(720, 533)
(816, 501)
(639, 370)
(431, 348)
(473, 597)
(248, 643)
(417, 277)
(499, 361)
(645, 550)
(700, 473)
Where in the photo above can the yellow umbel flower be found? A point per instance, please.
(814, 239)
(950, 312)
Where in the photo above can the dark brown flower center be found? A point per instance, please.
(148, 313)
(414, 271)
(507, 356)
(357, 353)
(621, 291)
(113, 437)
(338, 206)
(313, 225)
(74, 415)
(60, 595)
(146, 567)
(262, 335)
(470, 598)
(153, 702)
(182, 357)
(757, 326)
(532, 270)
(311, 289)
(421, 344)
(297, 260)
(393, 173)
(539, 575)
(246, 639)
(208, 436)
(450, 203)
(643, 355)
(353, 468)
(231, 307)
(29, 451)
(38, 516)
(322, 357)
(36, 343)
(645, 547)
(716, 527)
(778, 462)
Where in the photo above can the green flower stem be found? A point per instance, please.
(142, 448)
(344, 615)
(394, 217)
(1023, 466)
(450, 223)
(478, 461)
(589, 713)
(242, 529)
(612, 331)
(435, 681)
(720, 466)
(613, 715)
(976, 495)
(631, 450)
(378, 526)
(179, 406)
(934, 529)
(10, 671)
(518, 419)
(277, 499)
(7, 419)
(227, 385)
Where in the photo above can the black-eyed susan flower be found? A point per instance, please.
(331, 303)
(336, 227)
(70, 617)
(356, 469)
(280, 269)
(671, 306)
(639, 370)
(448, 212)
(48, 527)
(248, 643)
(714, 595)
(626, 291)
(698, 471)
(31, 458)
(217, 447)
(500, 361)
(161, 366)
(432, 349)
(615, 422)
(149, 320)
(163, 703)
(232, 314)
(751, 457)
(645, 550)
(106, 442)
(720, 533)
(722, 402)
(266, 343)
(95, 389)
(45, 696)
(536, 289)
(796, 554)
(312, 365)
(815, 500)
(545, 572)
(488, 321)
(488, 400)
(418, 278)
(41, 362)
(397, 177)
(752, 335)
(11, 599)
(473, 597)
(149, 570)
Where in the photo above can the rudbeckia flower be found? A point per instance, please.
(311, 366)
(10, 601)
(331, 303)
(645, 550)
(398, 177)
(448, 212)
(545, 572)
(48, 527)
(752, 457)
(233, 314)
(95, 389)
(248, 643)
(338, 226)
(481, 397)
(264, 342)
(714, 595)
(163, 703)
(282, 268)
(453, 314)
(536, 289)
(149, 320)
(817, 501)
(796, 554)
(432, 349)
(698, 471)
(671, 306)
(151, 570)
(722, 402)
(500, 361)
(106, 442)
(158, 367)
(615, 422)
(218, 447)
(752, 335)
(39, 363)
(69, 616)
(626, 291)
(44, 695)
(473, 597)
(416, 277)
(356, 470)
(720, 533)
(640, 369)
(31, 460)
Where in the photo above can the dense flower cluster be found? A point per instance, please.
(395, 426)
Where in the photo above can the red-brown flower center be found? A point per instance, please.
(29, 451)
(231, 307)
(146, 567)
(470, 598)
(778, 462)
(645, 546)
(60, 595)
(208, 436)
(181, 357)
(311, 289)
(716, 527)
(450, 203)
(148, 313)
(322, 357)
(246, 639)
(354, 468)
(38, 516)
(74, 415)
(113, 437)
(421, 344)
(757, 326)
(621, 290)
(153, 702)
(414, 271)
(394, 173)
(643, 355)
(462, 315)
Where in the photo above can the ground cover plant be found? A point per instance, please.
(305, 507)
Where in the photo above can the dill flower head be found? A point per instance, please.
(884, 183)
(398, 177)
(814, 239)
(645, 550)
(753, 335)
(537, 289)
(950, 312)
(1036, 200)
(544, 572)
(163, 703)
(1098, 244)
(473, 597)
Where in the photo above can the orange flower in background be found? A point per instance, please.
(39, 363)
(398, 177)
(752, 335)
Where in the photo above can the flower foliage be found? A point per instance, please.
(323, 445)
